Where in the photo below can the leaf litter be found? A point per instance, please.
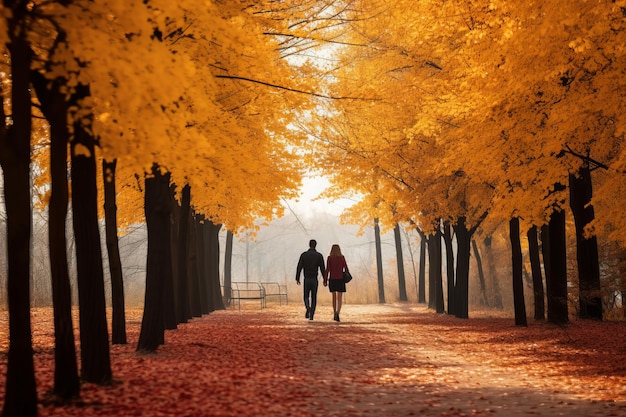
(380, 360)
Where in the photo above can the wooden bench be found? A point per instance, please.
(244, 291)
(275, 289)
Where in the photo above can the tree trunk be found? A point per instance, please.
(518, 283)
(213, 249)
(421, 289)
(193, 259)
(21, 392)
(203, 273)
(183, 309)
(118, 319)
(556, 280)
(379, 263)
(435, 277)
(589, 297)
(447, 239)
(400, 262)
(484, 300)
(463, 239)
(170, 280)
(228, 261)
(535, 265)
(54, 107)
(157, 209)
(94, 336)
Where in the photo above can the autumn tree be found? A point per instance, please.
(20, 394)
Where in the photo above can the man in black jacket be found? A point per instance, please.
(310, 261)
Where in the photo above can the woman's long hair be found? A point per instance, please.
(335, 250)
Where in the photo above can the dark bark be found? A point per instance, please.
(228, 261)
(118, 318)
(20, 392)
(463, 239)
(400, 263)
(556, 279)
(535, 265)
(193, 259)
(589, 299)
(516, 263)
(157, 210)
(379, 263)
(447, 239)
(183, 312)
(421, 289)
(484, 300)
(169, 284)
(54, 107)
(203, 273)
(434, 273)
(432, 276)
(94, 336)
(213, 249)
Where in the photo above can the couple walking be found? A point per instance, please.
(310, 261)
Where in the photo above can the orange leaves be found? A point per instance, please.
(380, 360)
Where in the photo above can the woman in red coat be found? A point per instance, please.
(333, 275)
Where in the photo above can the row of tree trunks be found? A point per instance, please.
(183, 262)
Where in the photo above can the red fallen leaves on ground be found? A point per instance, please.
(380, 360)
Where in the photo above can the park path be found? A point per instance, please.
(403, 360)
(380, 360)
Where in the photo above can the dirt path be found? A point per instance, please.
(404, 361)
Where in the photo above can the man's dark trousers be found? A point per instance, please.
(310, 295)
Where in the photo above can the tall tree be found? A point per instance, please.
(435, 281)
(421, 291)
(212, 231)
(447, 239)
(379, 263)
(193, 265)
(228, 261)
(118, 333)
(94, 335)
(518, 282)
(400, 262)
(589, 299)
(157, 206)
(54, 106)
(535, 266)
(556, 278)
(20, 393)
(183, 312)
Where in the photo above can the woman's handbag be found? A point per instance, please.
(347, 277)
